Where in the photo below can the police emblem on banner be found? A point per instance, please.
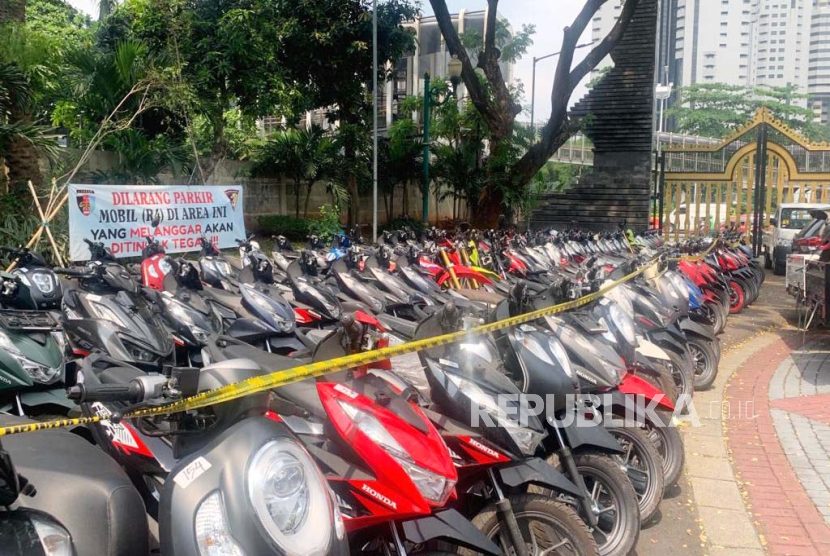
(233, 195)
(86, 201)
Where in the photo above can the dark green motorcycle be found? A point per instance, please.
(32, 347)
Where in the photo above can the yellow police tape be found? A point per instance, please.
(276, 379)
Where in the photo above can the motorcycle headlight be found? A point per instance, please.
(781, 242)
(43, 281)
(533, 346)
(178, 311)
(140, 354)
(432, 486)
(618, 370)
(623, 322)
(291, 499)
(681, 285)
(526, 439)
(213, 536)
(54, 539)
(42, 374)
(561, 357)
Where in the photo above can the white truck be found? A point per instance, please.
(789, 218)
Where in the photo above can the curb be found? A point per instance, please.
(726, 523)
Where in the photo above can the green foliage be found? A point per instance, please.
(57, 19)
(513, 45)
(328, 225)
(295, 229)
(556, 176)
(240, 133)
(304, 156)
(141, 159)
(599, 75)
(716, 109)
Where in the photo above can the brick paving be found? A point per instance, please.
(781, 455)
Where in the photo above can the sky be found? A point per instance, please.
(550, 18)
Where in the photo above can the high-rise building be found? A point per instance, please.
(818, 74)
(749, 43)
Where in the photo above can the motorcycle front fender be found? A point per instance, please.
(593, 437)
(690, 326)
(536, 471)
(451, 526)
(632, 385)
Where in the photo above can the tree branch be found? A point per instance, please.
(559, 127)
(477, 93)
(562, 85)
(604, 48)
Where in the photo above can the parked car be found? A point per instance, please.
(813, 238)
(789, 221)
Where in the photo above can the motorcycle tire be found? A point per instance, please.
(538, 515)
(714, 314)
(683, 375)
(617, 532)
(706, 362)
(643, 465)
(669, 445)
(663, 381)
(737, 297)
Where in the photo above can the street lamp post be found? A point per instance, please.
(454, 68)
(533, 80)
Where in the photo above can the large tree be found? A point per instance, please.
(716, 109)
(499, 108)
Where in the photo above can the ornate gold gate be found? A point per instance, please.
(741, 180)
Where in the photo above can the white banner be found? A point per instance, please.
(121, 216)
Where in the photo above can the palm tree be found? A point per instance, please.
(105, 8)
(304, 156)
(20, 140)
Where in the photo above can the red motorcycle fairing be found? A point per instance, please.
(462, 272)
(152, 274)
(632, 385)
(392, 494)
(305, 316)
(474, 452)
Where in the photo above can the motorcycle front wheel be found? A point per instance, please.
(643, 465)
(547, 527)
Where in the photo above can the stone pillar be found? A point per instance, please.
(619, 120)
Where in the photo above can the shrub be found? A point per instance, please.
(328, 225)
(295, 229)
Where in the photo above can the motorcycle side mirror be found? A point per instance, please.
(9, 479)
(156, 220)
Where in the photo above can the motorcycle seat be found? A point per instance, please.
(302, 394)
(84, 489)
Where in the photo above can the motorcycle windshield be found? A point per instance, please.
(278, 314)
(138, 323)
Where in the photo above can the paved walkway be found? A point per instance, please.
(775, 416)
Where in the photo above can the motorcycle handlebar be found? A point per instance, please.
(82, 393)
(73, 272)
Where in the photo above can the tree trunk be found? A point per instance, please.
(405, 205)
(12, 10)
(23, 162)
(387, 206)
(297, 186)
(309, 186)
(489, 208)
(354, 203)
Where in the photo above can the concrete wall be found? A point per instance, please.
(264, 196)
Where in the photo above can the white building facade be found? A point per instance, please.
(748, 43)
